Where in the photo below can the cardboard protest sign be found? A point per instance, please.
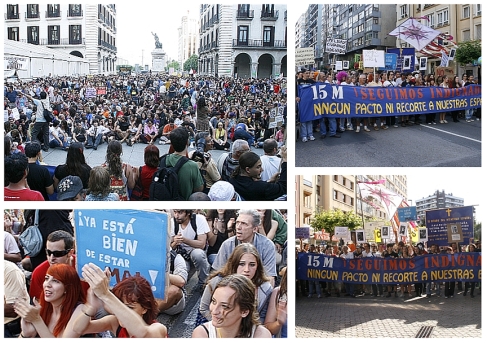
(128, 242)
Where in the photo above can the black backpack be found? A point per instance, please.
(165, 182)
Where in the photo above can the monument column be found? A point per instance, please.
(158, 56)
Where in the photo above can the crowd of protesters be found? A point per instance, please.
(251, 244)
(335, 127)
(149, 109)
(399, 250)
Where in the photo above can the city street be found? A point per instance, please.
(441, 145)
(375, 317)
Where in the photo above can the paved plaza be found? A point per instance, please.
(375, 317)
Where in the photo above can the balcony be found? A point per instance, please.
(56, 42)
(245, 15)
(107, 45)
(259, 43)
(32, 15)
(272, 15)
(74, 14)
(12, 16)
(56, 14)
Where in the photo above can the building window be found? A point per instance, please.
(478, 31)
(243, 35)
(53, 11)
(466, 35)
(12, 12)
(404, 11)
(442, 17)
(268, 39)
(243, 11)
(74, 34)
(267, 11)
(466, 12)
(335, 195)
(13, 33)
(33, 35)
(478, 9)
(53, 35)
(32, 11)
(75, 11)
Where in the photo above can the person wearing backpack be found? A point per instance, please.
(185, 169)
(189, 239)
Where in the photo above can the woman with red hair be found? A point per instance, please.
(131, 302)
(58, 307)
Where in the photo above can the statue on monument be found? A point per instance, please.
(158, 43)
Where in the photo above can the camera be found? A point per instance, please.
(200, 155)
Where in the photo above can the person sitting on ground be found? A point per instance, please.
(223, 191)
(71, 189)
(276, 317)
(121, 173)
(199, 196)
(247, 227)
(203, 158)
(190, 242)
(270, 161)
(75, 165)
(16, 171)
(144, 174)
(39, 178)
(99, 186)
(57, 139)
(244, 260)
(233, 311)
(230, 163)
(246, 178)
(220, 140)
(175, 300)
(189, 172)
(60, 303)
(131, 302)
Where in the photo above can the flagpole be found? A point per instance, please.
(361, 203)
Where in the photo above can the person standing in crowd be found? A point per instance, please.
(41, 126)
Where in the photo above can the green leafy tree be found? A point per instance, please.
(173, 64)
(468, 51)
(191, 63)
(327, 220)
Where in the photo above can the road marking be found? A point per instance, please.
(450, 133)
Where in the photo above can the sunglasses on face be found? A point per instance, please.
(57, 253)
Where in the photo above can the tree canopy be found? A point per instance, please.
(468, 52)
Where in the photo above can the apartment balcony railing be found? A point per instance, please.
(30, 15)
(272, 15)
(72, 13)
(12, 16)
(48, 41)
(50, 14)
(245, 14)
(107, 45)
(259, 43)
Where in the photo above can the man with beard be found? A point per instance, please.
(189, 239)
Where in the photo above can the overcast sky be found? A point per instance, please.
(135, 24)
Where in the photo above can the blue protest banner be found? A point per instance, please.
(374, 270)
(302, 232)
(407, 214)
(441, 224)
(129, 242)
(320, 100)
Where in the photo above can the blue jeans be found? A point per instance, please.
(349, 288)
(468, 113)
(332, 126)
(428, 287)
(242, 134)
(313, 285)
(306, 129)
(55, 144)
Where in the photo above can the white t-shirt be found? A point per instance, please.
(270, 164)
(188, 232)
